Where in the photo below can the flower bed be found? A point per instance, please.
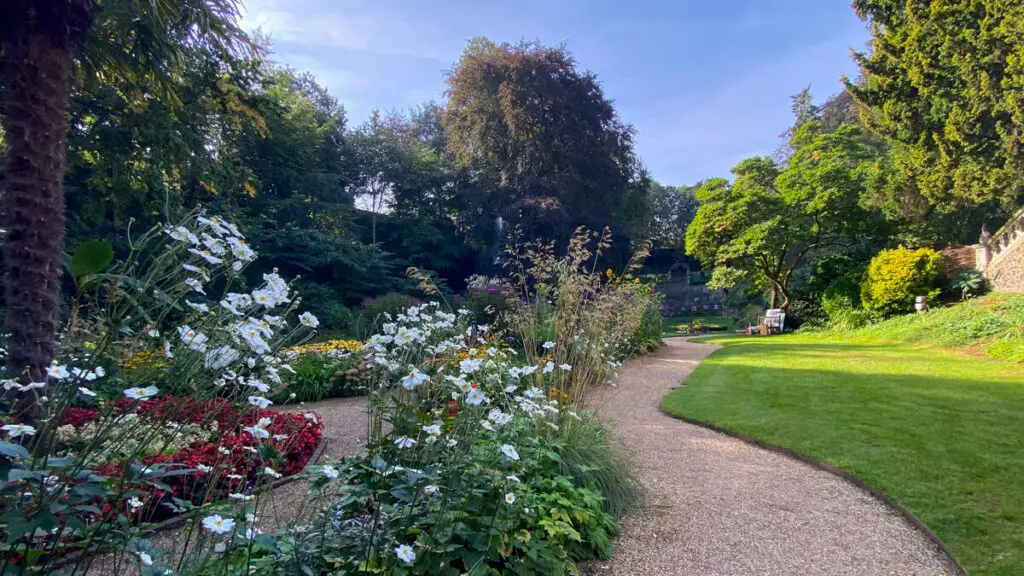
(223, 450)
(330, 369)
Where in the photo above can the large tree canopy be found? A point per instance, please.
(945, 82)
(768, 222)
(541, 136)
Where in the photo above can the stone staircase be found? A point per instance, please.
(1000, 256)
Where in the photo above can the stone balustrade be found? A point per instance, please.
(1001, 256)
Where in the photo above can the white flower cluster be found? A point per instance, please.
(419, 330)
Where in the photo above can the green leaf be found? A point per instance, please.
(90, 258)
(12, 450)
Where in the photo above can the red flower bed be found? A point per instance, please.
(236, 462)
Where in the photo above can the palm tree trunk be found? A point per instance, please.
(36, 60)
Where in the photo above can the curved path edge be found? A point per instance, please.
(877, 493)
(720, 503)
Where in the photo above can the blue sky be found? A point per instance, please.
(706, 83)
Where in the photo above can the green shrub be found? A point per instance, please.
(340, 319)
(968, 283)
(320, 376)
(326, 304)
(841, 300)
(593, 459)
(895, 277)
(372, 311)
(647, 336)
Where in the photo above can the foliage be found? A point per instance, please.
(991, 324)
(672, 209)
(489, 299)
(480, 468)
(541, 138)
(946, 84)
(841, 303)
(329, 369)
(968, 283)
(767, 224)
(895, 277)
(929, 429)
(647, 336)
(569, 314)
(375, 311)
(153, 407)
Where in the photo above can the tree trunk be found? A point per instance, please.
(36, 61)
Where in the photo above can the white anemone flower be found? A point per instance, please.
(405, 442)
(86, 391)
(510, 498)
(141, 393)
(308, 319)
(259, 430)
(430, 490)
(469, 365)
(182, 234)
(214, 523)
(195, 284)
(58, 372)
(405, 554)
(330, 472)
(260, 402)
(549, 367)
(17, 430)
(548, 345)
(200, 307)
(475, 397)
(414, 379)
(509, 451)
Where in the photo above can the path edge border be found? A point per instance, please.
(859, 483)
(176, 521)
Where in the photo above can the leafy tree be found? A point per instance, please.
(768, 223)
(945, 83)
(539, 134)
(672, 209)
(39, 42)
(377, 154)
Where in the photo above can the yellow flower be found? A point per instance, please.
(327, 347)
(145, 358)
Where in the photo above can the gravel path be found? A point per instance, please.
(344, 430)
(717, 506)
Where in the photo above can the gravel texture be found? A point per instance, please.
(717, 506)
(344, 431)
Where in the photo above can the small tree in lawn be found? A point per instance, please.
(768, 223)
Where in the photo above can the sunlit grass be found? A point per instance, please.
(939, 431)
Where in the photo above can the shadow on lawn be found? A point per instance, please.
(949, 449)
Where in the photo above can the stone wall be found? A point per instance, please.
(1001, 256)
(1007, 272)
(681, 296)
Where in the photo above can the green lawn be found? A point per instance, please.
(942, 433)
